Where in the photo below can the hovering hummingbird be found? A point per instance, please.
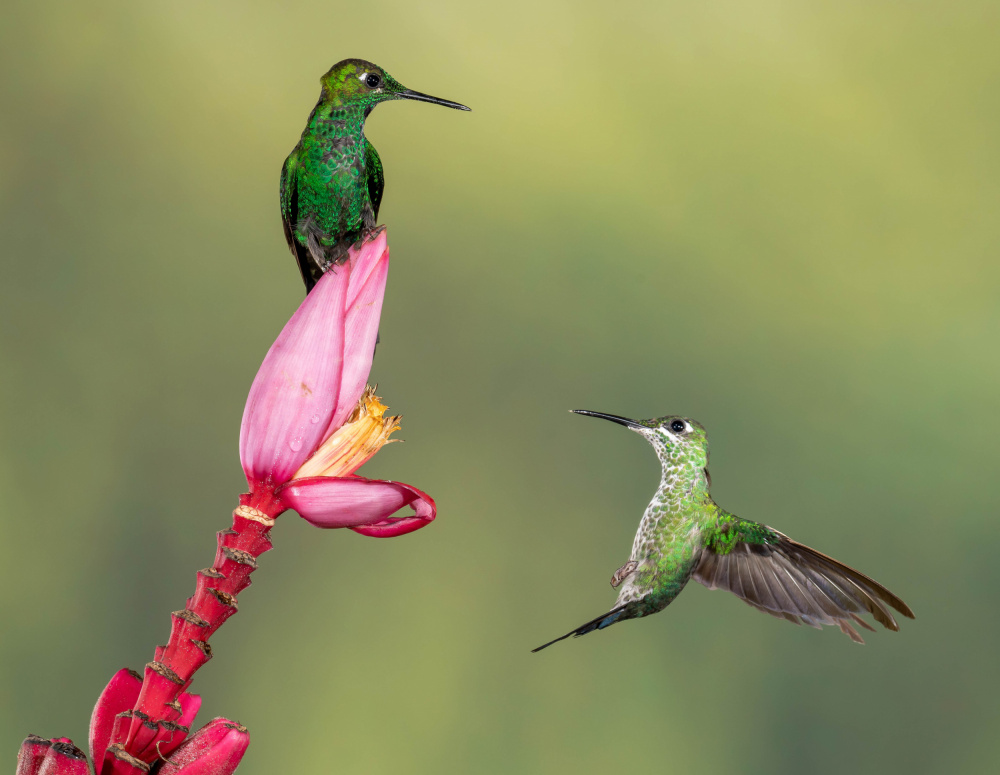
(685, 535)
(332, 181)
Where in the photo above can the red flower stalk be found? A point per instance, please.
(309, 424)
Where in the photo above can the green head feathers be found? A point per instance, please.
(673, 437)
(357, 83)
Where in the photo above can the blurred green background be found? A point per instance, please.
(778, 218)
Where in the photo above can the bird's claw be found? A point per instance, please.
(623, 572)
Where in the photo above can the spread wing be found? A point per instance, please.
(786, 579)
(375, 178)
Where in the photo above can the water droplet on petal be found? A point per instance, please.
(314, 419)
(295, 445)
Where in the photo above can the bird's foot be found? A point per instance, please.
(623, 572)
(368, 233)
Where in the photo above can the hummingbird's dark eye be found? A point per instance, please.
(677, 426)
(373, 81)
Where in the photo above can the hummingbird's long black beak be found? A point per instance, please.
(613, 417)
(409, 94)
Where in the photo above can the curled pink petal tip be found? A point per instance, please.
(364, 505)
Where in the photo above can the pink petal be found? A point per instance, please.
(215, 749)
(118, 696)
(297, 387)
(363, 261)
(364, 505)
(360, 331)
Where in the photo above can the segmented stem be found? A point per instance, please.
(135, 740)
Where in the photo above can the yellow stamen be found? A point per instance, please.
(353, 444)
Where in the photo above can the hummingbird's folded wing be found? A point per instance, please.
(375, 179)
(289, 198)
(786, 579)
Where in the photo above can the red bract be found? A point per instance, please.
(309, 422)
(118, 697)
(57, 756)
(215, 749)
(114, 715)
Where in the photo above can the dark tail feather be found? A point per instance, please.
(599, 623)
(307, 264)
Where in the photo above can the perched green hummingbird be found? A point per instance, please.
(332, 181)
(684, 534)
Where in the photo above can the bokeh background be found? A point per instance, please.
(778, 218)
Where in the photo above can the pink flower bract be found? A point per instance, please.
(309, 399)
